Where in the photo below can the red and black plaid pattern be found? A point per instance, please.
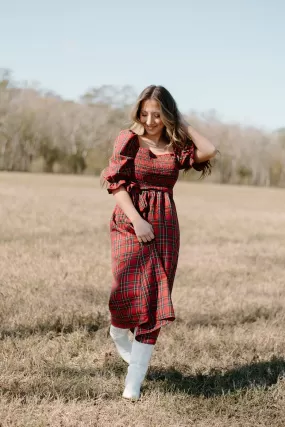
(144, 272)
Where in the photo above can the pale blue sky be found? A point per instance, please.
(226, 55)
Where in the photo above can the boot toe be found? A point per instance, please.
(131, 394)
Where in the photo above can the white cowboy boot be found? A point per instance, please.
(140, 357)
(122, 342)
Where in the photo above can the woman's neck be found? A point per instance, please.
(156, 139)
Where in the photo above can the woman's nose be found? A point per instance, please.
(149, 120)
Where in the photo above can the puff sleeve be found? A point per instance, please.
(186, 158)
(120, 170)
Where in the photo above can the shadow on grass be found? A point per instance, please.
(97, 382)
(216, 383)
(58, 326)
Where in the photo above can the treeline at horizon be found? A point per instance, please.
(42, 132)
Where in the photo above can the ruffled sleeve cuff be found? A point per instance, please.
(115, 185)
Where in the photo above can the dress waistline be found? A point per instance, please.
(147, 188)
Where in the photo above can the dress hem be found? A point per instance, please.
(160, 323)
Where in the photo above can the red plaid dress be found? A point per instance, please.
(144, 272)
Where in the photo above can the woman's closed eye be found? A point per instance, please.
(156, 115)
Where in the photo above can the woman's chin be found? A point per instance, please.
(152, 132)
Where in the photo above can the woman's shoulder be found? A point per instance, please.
(124, 141)
(125, 135)
(185, 154)
(185, 149)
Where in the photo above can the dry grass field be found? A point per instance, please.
(221, 363)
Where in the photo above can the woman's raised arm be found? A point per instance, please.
(205, 150)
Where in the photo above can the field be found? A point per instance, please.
(221, 363)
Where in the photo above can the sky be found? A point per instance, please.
(222, 55)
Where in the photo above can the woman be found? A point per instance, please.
(142, 172)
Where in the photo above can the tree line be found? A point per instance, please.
(42, 132)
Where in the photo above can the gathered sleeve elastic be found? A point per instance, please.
(186, 158)
(120, 170)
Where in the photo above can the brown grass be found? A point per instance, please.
(221, 363)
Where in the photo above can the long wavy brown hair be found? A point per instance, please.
(174, 131)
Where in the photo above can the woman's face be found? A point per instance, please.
(150, 117)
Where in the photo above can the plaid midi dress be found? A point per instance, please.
(143, 273)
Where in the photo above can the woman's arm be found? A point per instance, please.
(143, 229)
(125, 203)
(205, 150)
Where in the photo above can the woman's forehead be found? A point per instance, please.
(150, 105)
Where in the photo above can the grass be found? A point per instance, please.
(221, 363)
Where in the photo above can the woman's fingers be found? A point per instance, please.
(150, 237)
(147, 238)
